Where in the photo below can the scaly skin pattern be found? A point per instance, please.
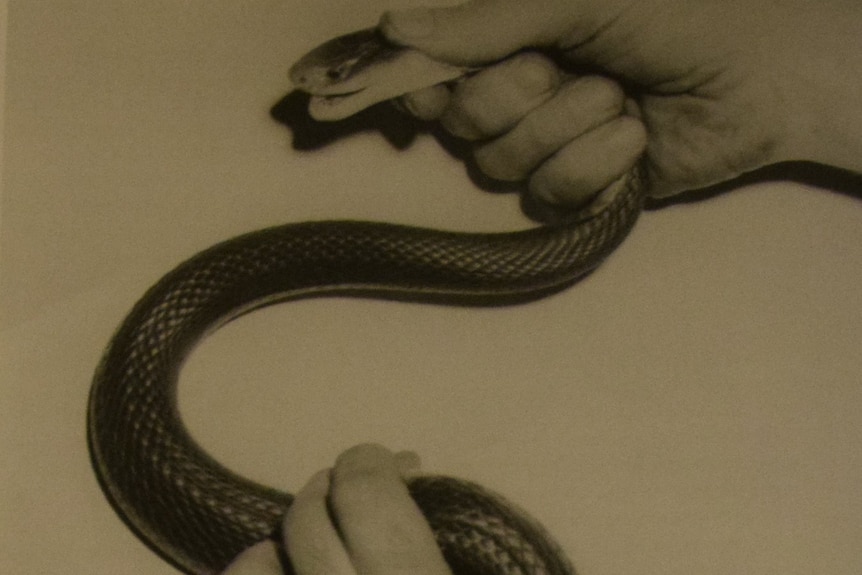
(199, 515)
(352, 72)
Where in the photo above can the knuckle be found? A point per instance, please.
(537, 134)
(533, 73)
(360, 473)
(466, 114)
(426, 104)
(633, 132)
(585, 166)
(628, 138)
(569, 196)
(494, 100)
(605, 96)
(486, 160)
(459, 121)
(497, 161)
(560, 183)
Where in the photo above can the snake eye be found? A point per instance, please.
(337, 73)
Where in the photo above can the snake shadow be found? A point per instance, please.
(309, 134)
(401, 129)
(830, 178)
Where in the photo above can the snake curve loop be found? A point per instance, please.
(199, 515)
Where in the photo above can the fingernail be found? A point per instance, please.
(363, 456)
(414, 23)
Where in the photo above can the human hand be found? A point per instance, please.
(374, 528)
(713, 88)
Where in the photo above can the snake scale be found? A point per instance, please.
(199, 515)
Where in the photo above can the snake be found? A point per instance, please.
(198, 514)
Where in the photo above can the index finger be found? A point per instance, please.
(259, 559)
(382, 527)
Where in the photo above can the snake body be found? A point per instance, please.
(200, 515)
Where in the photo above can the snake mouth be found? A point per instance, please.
(340, 95)
(337, 106)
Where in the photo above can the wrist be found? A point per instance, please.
(818, 63)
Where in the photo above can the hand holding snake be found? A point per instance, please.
(380, 529)
(657, 97)
(717, 87)
(709, 109)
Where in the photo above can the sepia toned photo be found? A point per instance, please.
(495, 287)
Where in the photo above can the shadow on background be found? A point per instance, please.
(810, 173)
(401, 130)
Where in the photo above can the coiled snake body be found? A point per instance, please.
(198, 514)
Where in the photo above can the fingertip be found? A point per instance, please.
(318, 485)
(362, 475)
(553, 196)
(312, 494)
(590, 163)
(364, 456)
(380, 524)
(371, 457)
(309, 534)
(259, 559)
(632, 134)
(427, 104)
(408, 463)
(407, 26)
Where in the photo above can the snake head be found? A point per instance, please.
(352, 72)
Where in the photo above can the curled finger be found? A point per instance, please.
(428, 103)
(495, 99)
(580, 105)
(589, 163)
(259, 559)
(383, 529)
(311, 540)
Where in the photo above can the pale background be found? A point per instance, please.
(693, 407)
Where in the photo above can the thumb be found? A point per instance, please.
(481, 31)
